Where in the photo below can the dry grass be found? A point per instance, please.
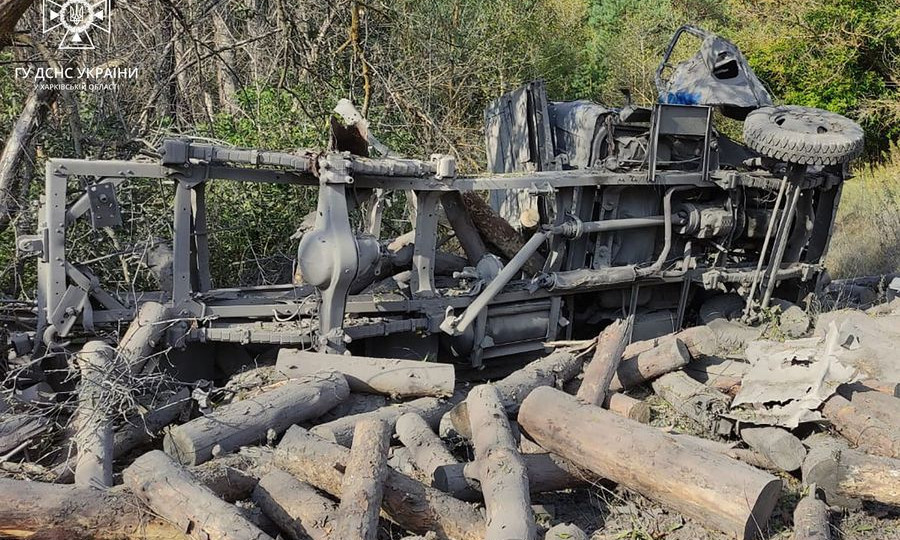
(866, 237)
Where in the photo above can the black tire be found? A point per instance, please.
(803, 135)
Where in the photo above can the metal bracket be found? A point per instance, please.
(425, 244)
(104, 206)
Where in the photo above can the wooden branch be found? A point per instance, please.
(498, 232)
(248, 421)
(143, 335)
(646, 360)
(142, 429)
(10, 13)
(607, 355)
(811, 518)
(175, 495)
(504, 478)
(411, 504)
(717, 491)
(362, 486)
(629, 407)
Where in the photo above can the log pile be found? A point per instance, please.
(332, 446)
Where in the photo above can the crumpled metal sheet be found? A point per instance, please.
(787, 382)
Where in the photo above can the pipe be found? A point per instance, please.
(456, 325)
(782, 244)
(667, 223)
(765, 246)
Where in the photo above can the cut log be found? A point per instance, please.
(232, 477)
(629, 407)
(362, 485)
(565, 531)
(715, 490)
(811, 518)
(881, 406)
(18, 430)
(411, 504)
(546, 473)
(644, 361)
(298, 510)
(429, 408)
(497, 232)
(175, 495)
(354, 404)
(848, 476)
(94, 435)
(248, 421)
(863, 427)
(400, 460)
(723, 374)
(695, 400)
(426, 449)
(403, 378)
(554, 369)
(143, 335)
(607, 357)
(779, 445)
(142, 429)
(745, 455)
(504, 478)
(77, 512)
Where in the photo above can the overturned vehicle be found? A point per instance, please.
(592, 213)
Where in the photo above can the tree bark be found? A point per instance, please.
(498, 232)
(144, 428)
(502, 472)
(429, 408)
(175, 495)
(402, 378)
(298, 510)
(778, 445)
(32, 116)
(77, 512)
(629, 407)
(863, 427)
(554, 369)
(546, 473)
(247, 421)
(411, 504)
(466, 232)
(646, 360)
(94, 435)
(607, 355)
(10, 13)
(143, 335)
(698, 402)
(426, 449)
(717, 491)
(362, 486)
(811, 518)
(848, 476)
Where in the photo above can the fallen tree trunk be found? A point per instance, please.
(629, 407)
(811, 518)
(77, 512)
(362, 485)
(717, 491)
(848, 476)
(546, 473)
(426, 449)
(498, 232)
(403, 378)
(502, 472)
(429, 408)
(863, 427)
(466, 232)
(143, 429)
(695, 400)
(172, 493)
(295, 507)
(94, 436)
(607, 356)
(247, 421)
(411, 504)
(644, 361)
(143, 335)
(554, 369)
(778, 445)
